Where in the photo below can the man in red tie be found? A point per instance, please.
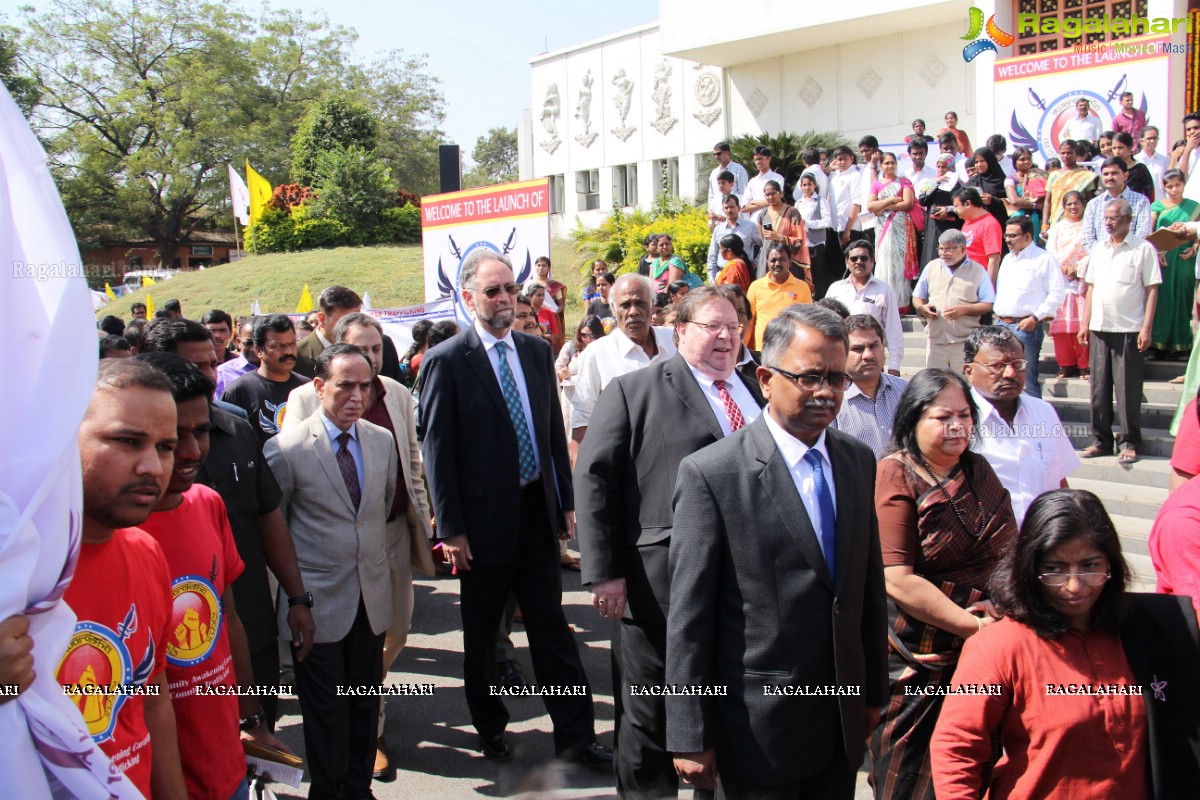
(645, 423)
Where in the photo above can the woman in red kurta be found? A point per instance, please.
(1052, 679)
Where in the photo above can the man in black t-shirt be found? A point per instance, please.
(264, 392)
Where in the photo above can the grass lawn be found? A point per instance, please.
(393, 275)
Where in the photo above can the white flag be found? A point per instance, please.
(240, 195)
(255, 309)
(366, 301)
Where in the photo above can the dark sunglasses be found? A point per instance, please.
(510, 289)
(859, 259)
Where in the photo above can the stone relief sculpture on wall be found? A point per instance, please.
(583, 112)
(663, 121)
(708, 92)
(551, 108)
(622, 101)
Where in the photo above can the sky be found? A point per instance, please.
(480, 49)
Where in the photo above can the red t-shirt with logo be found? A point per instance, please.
(121, 596)
(202, 560)
(984, 237)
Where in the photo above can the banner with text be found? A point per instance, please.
(1035, 95)
(511, 218)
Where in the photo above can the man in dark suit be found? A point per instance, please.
(336, 302)
(644, 424)
(496, 458)
(777, 586)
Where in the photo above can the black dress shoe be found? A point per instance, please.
(510, 674)
(591, 755)
(495, 748)
(384, 770)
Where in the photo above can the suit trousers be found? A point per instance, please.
(644, 767)
(1116, 363)
(264, 663)
(402, 606)
(535, 575)
(339, 731)
(835, 782)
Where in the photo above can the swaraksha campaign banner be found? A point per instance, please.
(1035, 94)
(510, 218)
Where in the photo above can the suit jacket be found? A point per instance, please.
(303, 403)
(753, 605)
(644, 424)
(470, 445)
(342, 554)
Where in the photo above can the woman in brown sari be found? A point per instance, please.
(779, 222)
(945, 521)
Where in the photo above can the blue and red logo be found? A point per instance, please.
(981, 44)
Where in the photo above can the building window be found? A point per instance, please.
(1071, 14)
(587, 186)
(558, 194)
(202, 250)
(625, 186)
(666, 173)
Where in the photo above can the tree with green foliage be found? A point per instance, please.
(495, 157)
(333, 123)
(354, 187)
(22, 88)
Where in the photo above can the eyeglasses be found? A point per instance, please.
(859, 259)
(1013, 235)
(998, 367)
(715, 328)
(943, 248)
(510, 289)
(1150, 138)
(811, 382)
(1058, 579)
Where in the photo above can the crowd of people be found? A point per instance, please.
(804, 560)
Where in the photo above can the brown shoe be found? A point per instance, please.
(383, 771)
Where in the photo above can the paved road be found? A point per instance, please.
(431, 738)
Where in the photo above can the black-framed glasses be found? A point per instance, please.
(715, 328)
(859, 259)
(998, 367)
(812, 381)
(510, 289)
(1059, 579)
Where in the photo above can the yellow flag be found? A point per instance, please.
(147, 281)
(260, 192)
(108, 291)
(306, 304)
(150, 305)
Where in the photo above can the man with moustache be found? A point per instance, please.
(1114, 175)
(869, 406)
(390, 406)
(624, 481)
(1030, 289)
(863, 293)
(777, 581)
(338, 474)
(264, 393)
(121, 590)
(1020, 434)
(206, 648)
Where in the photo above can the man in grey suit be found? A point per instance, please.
(337, 473)
(777, 590)
(644, 424)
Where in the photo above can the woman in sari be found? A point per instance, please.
(1025, 189)
(945, 522)
(668, 267)
(1172, 333)
(989, 180)
(939, 207)
(891, 201)
(1065, 243)
(737, 263)
(779, 222)
(1071, 178)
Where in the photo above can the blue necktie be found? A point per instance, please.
(512, 399)
(824, 508)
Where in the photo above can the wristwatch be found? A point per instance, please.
(305, 599)
(250, 723)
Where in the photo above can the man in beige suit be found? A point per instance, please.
(390, 406)
(337, 474)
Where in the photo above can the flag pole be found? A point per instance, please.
(236, 245)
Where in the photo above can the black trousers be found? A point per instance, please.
(645, 769)
(835, 782)
(535, 576)
(339, 731)
(1116, 363)
(264, 663)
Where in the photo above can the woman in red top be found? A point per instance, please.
(547, 319)
(1072, 682)
(556, 291)
(737, 263)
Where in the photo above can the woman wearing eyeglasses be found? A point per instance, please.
(1093, 688)
(944, 523)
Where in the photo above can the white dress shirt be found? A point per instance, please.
(1032, 456)
(1157, 164)
(737, 390)
(605, 359)
(746, 229)
(1086, 129)
(514, 363)
(740, 179)
(817, 216)
(793, 450)
(757, 185)
(879, 300)
(1029, 283)
(868, 176)
(915, 177)
(1119, 276)
(352, 446)
(843, 188)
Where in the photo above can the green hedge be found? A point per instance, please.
(618, 240)
(278, 231)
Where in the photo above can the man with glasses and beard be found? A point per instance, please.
(500, 478)
(264, 392)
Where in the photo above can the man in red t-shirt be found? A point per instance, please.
(206, 646)
(120, 592)
(985, 239)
